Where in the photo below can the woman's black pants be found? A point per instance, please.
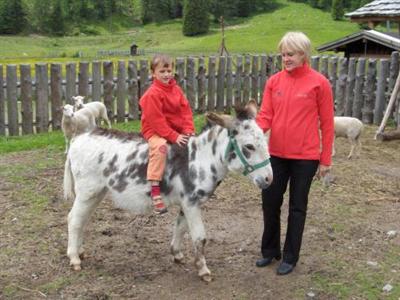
(299, 174)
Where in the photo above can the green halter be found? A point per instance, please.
(247, 167)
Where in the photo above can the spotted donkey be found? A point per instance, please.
(108, 162)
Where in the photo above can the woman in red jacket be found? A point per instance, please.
(166, 117)
(297, 109)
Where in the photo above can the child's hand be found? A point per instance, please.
(182, 140)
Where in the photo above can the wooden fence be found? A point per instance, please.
(31, 104)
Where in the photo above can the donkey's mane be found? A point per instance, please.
(118, 134)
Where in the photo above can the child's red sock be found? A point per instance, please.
(159, 206)
(155, 190)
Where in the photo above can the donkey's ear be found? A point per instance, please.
(252, 108)
(222, 120)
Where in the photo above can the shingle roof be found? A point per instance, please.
(391, 40)
(377, 8)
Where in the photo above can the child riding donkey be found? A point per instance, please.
(166, 118)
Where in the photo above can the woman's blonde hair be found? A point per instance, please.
(298, 42)
(162, 60)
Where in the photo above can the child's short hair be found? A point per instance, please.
(161, 59)
(298, 42)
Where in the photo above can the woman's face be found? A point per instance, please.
(291, 59)
(163, 73)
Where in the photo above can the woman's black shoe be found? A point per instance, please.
(285, 268)
(263, 262)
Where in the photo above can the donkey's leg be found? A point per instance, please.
(78, 217)
(197, 232)
(180, 228)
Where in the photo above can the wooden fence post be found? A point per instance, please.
(221, 84)
(370, 84)
(201, 84)
(237, 92)
(278, 63)
(108, 86)
(229, 85)
(394, 70)
(380, 100)
(191, 82)
(358, 89)
(211, 84)
(133, 91)
(96, 81)
(263, 76)
(83, 80)
(270, 65)
(12, 104)
(333, 75)
(42, 98)
(144, 76)
(2, 104)
(26, 99)
(70, 76)
(324, 67)
(351, 79)
(341, 86)
(393, 97)
(246, 79)
(55, 95)
(180, 72)
(121, 91)
(254, 78)
(315, 63)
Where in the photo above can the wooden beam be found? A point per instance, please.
(388, 136)
(389, 108)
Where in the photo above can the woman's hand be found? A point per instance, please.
(323, 170)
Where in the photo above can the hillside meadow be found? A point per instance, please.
(257, 34)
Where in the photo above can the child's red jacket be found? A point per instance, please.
(298, 108)
(165, 111)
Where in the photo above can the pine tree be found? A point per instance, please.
(56, 20)
(313, 3)
(324, 4)
(244, 8)
(337, 9)
(41, 16)
(195, 17)
(12, 17)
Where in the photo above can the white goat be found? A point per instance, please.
(75, 123)
(98, 109)
(350, 128)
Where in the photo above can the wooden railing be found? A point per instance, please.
(31, 103)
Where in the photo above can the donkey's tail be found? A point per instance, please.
(69, 193)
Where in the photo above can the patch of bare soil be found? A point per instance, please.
(347, 252)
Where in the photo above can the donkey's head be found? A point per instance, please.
(247, 150)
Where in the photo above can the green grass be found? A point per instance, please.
(256, 34)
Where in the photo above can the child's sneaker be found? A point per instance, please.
(159, 207)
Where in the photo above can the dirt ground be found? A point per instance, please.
(351, 244)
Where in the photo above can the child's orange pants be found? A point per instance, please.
(157, 158)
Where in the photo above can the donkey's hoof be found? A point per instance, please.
(178, 258)
(206, 278)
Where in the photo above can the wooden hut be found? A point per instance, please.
(376, 12)
(366, 43)
(370, 43)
